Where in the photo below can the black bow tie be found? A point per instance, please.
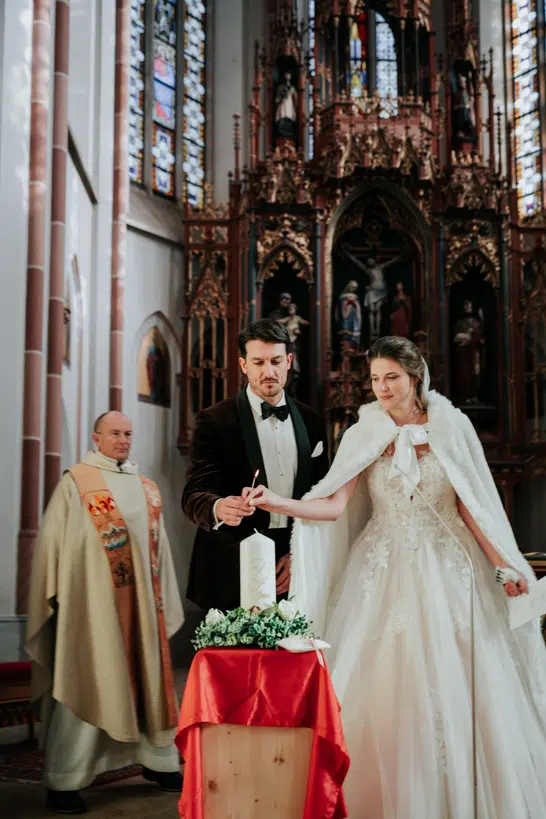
(280, 412)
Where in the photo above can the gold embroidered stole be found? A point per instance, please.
(114, 536)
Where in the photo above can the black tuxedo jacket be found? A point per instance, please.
(224, 455)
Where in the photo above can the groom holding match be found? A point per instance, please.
(262, 429)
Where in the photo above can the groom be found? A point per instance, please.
(262, 428)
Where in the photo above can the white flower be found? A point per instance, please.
(287, 610)
(214, 616)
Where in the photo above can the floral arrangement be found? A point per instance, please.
(261, 628)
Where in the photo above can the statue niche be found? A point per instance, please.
(373, 286)
(154, 370)
(473, 339)
(285, 297)
(285, 120)
(463, 104)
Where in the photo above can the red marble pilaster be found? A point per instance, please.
(56, 330)
(119, 200)
(32, 388)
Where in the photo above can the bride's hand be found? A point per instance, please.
(513, 582)
(262, 498)
(513, 589)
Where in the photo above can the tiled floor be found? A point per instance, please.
(121, 800)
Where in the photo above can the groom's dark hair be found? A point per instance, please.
(267, 330)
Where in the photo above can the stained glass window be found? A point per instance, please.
(527, 138)
(386, 67)
(154, 122)
(194, 101)
(136, 93)
(358, 56)
(311, 46)
(164, 103)
(371, 34)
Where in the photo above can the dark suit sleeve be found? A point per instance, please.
(204, 477)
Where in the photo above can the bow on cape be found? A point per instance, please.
(405, 462)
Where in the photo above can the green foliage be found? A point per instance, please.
(251, 627)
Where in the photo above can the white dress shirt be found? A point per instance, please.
(277, 441)
(279, 452)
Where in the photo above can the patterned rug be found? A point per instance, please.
(24, 761)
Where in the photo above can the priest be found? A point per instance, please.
(103, 603)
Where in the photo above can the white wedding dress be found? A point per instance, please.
(401, 668)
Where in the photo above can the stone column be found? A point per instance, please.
(56, 331)
(32, 389)
(119, 205)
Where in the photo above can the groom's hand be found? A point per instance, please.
(232, 510)
(283, 574)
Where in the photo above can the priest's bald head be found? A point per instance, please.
(113, 435)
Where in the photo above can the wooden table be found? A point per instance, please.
(261, 738)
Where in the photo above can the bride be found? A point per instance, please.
(378, 555)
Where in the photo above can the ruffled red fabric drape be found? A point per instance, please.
(269, 688)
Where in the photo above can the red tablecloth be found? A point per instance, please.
(243, 686)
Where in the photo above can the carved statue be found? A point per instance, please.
(349, 316)
(286, 109)
(468, 353)
(464, 115)
(281, 312)
(376, 291)
(401, 312)
(293, 324)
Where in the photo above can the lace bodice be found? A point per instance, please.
(390, 504)
(401, 528)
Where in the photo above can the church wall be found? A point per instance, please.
(226, 88)
(15, 68)
(84, 22)
(87, 251)
(153, 297)
(97, 148)
(88, 219)
(234, 25)
(79, 273)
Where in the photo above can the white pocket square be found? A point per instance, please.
(318, 450)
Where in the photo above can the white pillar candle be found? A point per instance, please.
(258, 581)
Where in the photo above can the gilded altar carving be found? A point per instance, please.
(284, 179)
(375, 147)
(473, 185)
(209, 300)
(210, 210)
(285, 240)
(355, 159)
(472, 243)
(534, 297)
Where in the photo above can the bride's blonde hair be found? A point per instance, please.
(408, 355)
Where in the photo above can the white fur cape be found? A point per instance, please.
(320, 550)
